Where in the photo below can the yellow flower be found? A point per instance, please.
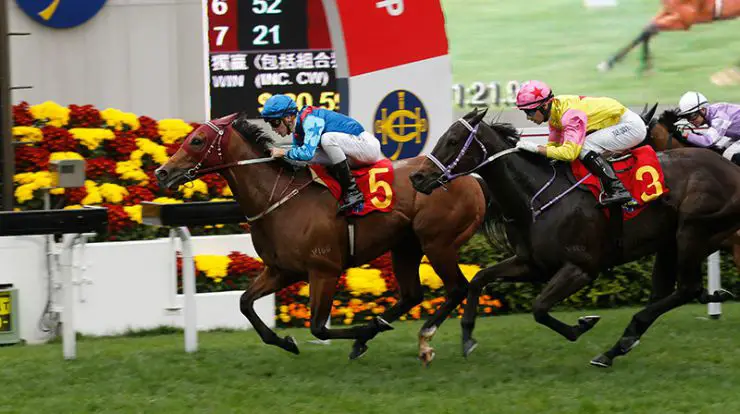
(51, 112)
(429, 277)
(469, 271)
(195, 186)
(156, 151)
(226, 192)
(217, 199)
(113, 193)
(24, 193)
(134, 212)
(214, 266)
(27, 134)
(172, 130)
(166, 200)
(361, 281)
(92, 137)
(56, 191)
(24, 178)
(304, 291)
(285, 318)
(29, 183)
(130, 170)
(55, 156)
(118, 119)
(73, 207)
(93, 194)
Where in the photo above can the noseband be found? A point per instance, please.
(447, 174)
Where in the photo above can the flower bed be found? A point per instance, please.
(121, 151)
(362, 292)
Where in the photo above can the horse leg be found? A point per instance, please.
(322, 286)
(664, 272)
(644, 36)
(646, 60)
(269, 281)
(567, 281)
(444, 262)
(513, 269)
(406, 258)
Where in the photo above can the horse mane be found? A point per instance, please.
(506, 130)
(253, 132)
(668, 119)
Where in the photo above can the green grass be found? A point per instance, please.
(684, 364)
(561, 41)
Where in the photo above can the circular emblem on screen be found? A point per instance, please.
(61, 14)
(401, 125)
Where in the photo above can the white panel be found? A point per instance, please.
(429, 80)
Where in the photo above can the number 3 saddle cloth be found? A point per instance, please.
(641, 174)
(374, 181)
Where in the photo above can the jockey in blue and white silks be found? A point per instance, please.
(324, 137)
(723, 120)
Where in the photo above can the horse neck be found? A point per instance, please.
(255, 186)
(513, 179)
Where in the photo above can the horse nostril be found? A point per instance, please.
(160, 173)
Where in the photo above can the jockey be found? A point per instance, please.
(582, 127)
(723, 120)
(324, 137)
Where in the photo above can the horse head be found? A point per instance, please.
(209, 148)
(663, 134)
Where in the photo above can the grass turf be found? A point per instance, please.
(685, 364)
(561, 41)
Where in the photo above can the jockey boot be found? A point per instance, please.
(352, 198)
(614, 191)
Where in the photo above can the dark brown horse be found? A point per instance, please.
(570, 243)
(676, 15)
(296, 231)
(663, 134)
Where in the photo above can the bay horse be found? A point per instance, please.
(675, 15)
(663, 135)
(570, 243)
(300, 237)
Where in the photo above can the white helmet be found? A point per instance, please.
(691, 102)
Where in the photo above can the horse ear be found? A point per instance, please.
(479, 115)
(651, 112)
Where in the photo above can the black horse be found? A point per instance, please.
(572, 242)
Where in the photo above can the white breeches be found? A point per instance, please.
(359, 150)
(732, 150)
(628, 133)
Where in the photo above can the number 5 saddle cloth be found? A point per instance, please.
(374, 181)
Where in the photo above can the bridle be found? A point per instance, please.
(196, 172)
(216, 144)
(447, 174)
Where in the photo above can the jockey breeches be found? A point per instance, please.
(732, 150)
(628, 133)
(359, 150)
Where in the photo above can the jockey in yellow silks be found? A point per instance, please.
(582, 127)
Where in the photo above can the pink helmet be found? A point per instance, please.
(533, 94)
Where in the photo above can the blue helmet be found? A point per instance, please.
(279, 106)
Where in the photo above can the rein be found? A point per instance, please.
(196, 172)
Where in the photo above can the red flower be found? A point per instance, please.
(85, 116)
(28, 159)
(122, 146)
(215, 184)
(58, 139)
(172, 148)
(100, 167)
(385, 264)
(195, 125)
(118, 219)
(137, 194)
(75, 195)
(148, 128)
(241, 264)
(22, 114)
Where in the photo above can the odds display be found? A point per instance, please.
(258, 48)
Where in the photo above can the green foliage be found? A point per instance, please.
(629, 284)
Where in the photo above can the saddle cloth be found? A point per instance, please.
(641, 174)
(374, 181)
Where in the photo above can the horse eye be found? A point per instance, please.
(196, 141)
(453, 142)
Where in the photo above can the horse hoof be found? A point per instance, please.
(358, 350)
(469, 346)
(291, 345)
(426, 357)
(382, 324)
(585, 323)
(602, 361)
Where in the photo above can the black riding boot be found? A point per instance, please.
(614, 191)
(352, 198)
(736, 159)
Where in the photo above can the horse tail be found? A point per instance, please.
(494, 222)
